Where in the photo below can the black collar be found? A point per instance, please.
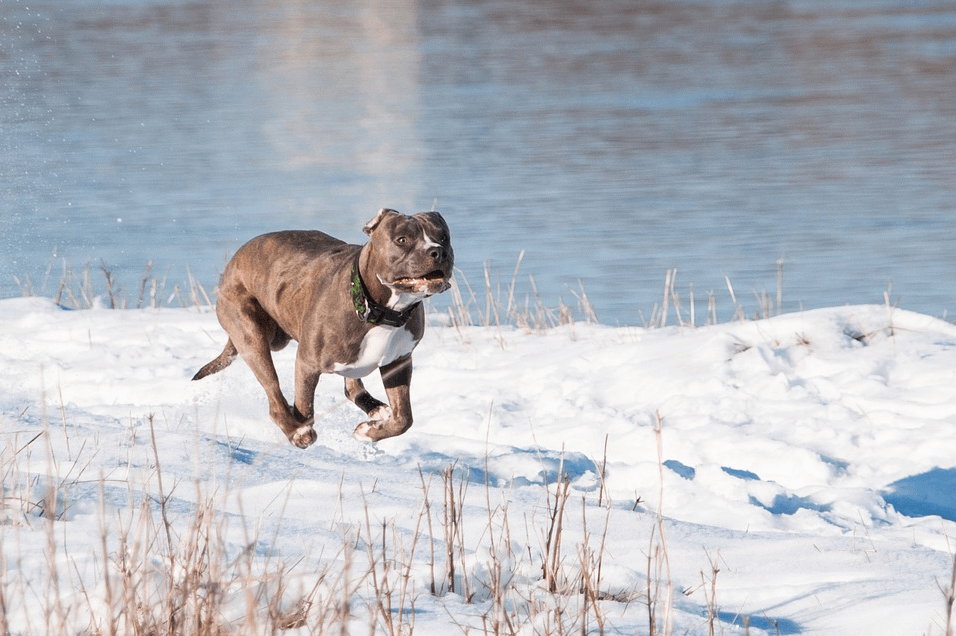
(367, 309)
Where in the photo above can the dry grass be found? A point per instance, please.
(96, 286)
(492, 304)
(158, 570)
(684, 308)
(158, 573)
(500, 305)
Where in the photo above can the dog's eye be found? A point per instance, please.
(401, 240)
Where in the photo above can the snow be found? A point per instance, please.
(809, 457)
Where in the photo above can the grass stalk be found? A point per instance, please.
(711, 597)
(667, 291)
(433, 590)
(658, 565)
(552, 562)
(109, 284)
(142, 285)
(451, 510)
(949, 598)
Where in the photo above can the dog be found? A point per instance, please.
(351, 308)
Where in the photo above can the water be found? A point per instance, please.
(609, 141)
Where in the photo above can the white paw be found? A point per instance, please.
(361, 432)
(381, 414)
(304, 436)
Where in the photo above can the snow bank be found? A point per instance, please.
(810, 456)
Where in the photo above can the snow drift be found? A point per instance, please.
(790, 475)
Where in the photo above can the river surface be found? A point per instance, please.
(607, 140)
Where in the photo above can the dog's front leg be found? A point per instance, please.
(393, 419)
(306, 379)
(356, 392)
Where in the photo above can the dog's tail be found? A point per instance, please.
(224, 359)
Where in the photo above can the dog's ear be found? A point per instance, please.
(374, 223)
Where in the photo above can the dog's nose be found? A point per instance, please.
(436, 253)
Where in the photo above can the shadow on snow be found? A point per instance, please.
(932, 493)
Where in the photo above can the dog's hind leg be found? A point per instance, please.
(229, 353)
(254, 332)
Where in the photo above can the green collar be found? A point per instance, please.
(370, 311)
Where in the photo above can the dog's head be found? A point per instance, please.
(413, 253)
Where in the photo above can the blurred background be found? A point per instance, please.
(607, 140)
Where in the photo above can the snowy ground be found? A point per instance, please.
(811, 457)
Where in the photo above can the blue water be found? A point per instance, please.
(608, 141)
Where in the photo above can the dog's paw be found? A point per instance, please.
(304, 436)
(376, 430)
(363, 432)
(373, 430)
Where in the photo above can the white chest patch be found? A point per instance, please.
(380, 346)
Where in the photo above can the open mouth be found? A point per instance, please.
(430, 276)
(434, 282)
